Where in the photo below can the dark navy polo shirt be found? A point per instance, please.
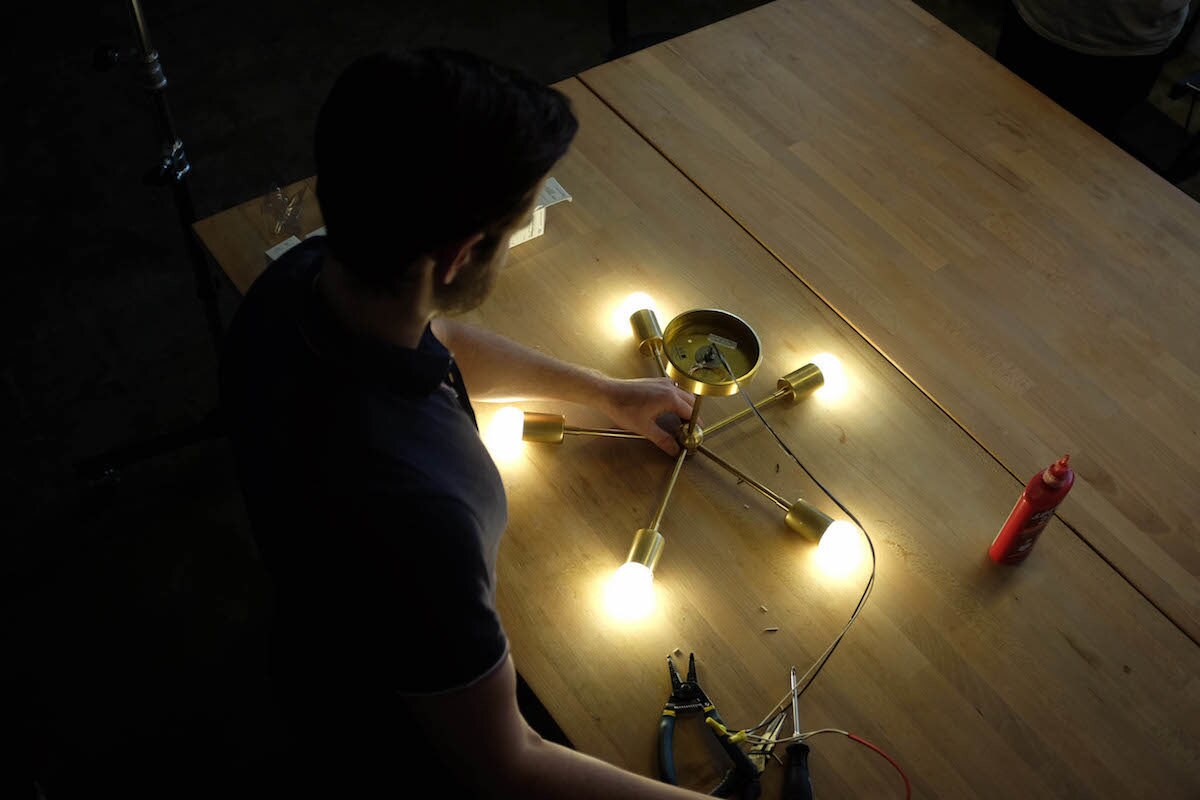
(376, 509)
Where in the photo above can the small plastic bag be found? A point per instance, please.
(283, 210)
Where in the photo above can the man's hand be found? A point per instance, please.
(636, 405)
(495, 367)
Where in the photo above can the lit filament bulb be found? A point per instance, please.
(840, 549)
(503, 436)
(835, 385)
(629, 595)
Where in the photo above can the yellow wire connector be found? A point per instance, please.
(736, 738)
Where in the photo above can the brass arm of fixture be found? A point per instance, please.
(741, 476)
(662, 506)
(745, 412)
(793, 387)
(610, 433)
(660, 358)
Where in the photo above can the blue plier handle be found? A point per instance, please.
(688, 698)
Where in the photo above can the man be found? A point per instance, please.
(375, 506)
(1096, 59)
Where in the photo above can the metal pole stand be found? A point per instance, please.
(172, 168)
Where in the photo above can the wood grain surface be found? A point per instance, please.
(1056, 679)
(1034, 280)
(239, 237)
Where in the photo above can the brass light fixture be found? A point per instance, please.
(685, 351)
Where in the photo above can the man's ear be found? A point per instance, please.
(451, 258)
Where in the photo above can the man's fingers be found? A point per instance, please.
(684, 403)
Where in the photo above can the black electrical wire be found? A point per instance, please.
(815, 671)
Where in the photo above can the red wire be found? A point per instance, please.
(907, 785)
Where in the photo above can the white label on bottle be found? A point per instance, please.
(1038, 521)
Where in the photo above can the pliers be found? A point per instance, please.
(688, 698)
(748, 786)
(744, 778)
(796, 782)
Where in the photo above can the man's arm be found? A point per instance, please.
(504, 757)
(494, 367)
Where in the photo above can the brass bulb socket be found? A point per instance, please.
(646, 330)
(802, 382)
(545, 428)
(807, 520)
(647, 547)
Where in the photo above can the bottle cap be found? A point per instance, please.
(1057, 472)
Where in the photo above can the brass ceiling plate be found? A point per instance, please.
(689, 341)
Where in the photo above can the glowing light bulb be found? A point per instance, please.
(629, 595)
(620, 316)
(835, 384)
(503, 436)
(840, 549)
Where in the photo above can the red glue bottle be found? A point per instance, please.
(1032, 513)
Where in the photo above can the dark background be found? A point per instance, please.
(132, 607)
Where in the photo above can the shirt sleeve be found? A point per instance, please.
(427, 597)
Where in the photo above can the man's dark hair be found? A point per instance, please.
(418, 150)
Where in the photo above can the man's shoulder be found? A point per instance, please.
(298, 264)
(395, 494)
(273, 302)
(417, 444)
(281, 287)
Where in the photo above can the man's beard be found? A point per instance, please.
(470, 288)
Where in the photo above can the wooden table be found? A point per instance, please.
(1055, 679)
(1040, 285)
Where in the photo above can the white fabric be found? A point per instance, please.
(1107, 27)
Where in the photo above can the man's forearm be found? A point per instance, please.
(549, 770)
(495, 367)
